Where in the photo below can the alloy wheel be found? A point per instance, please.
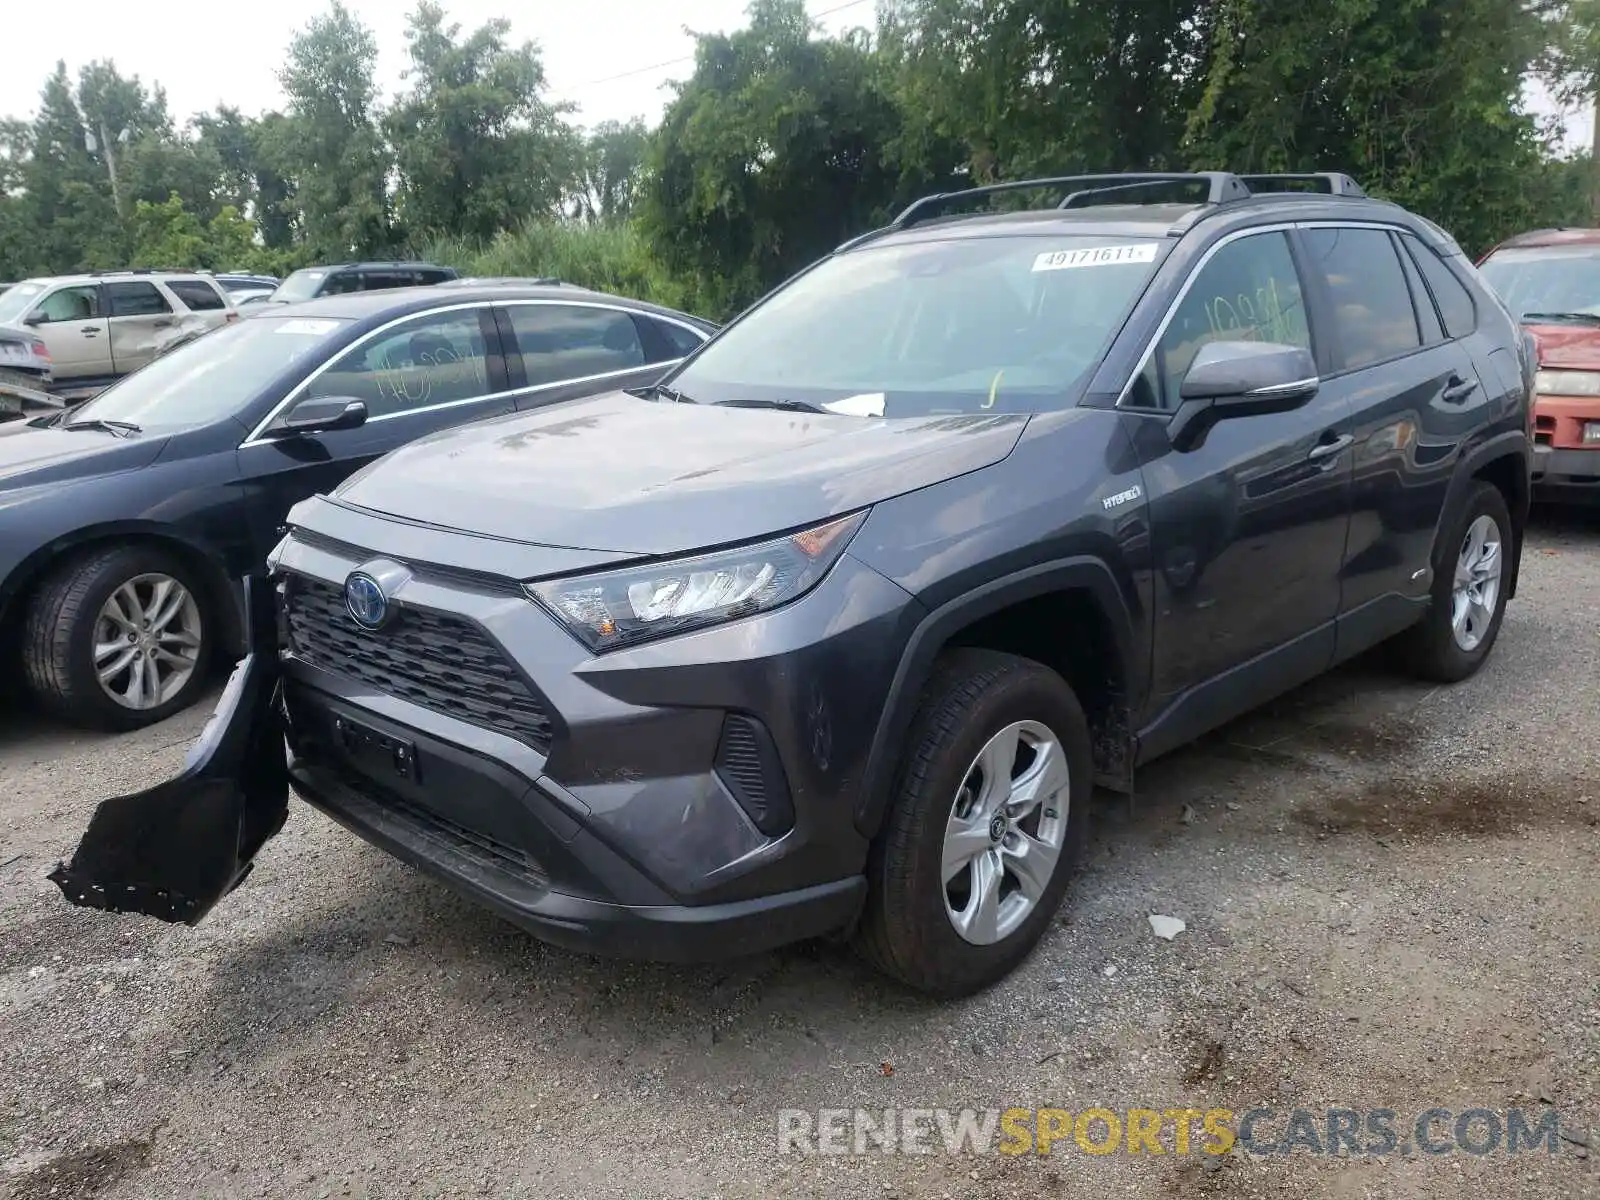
(1475, 593)
(1005, 832)
(147, 641)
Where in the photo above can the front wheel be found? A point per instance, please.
(120, 639)
(1469, 591)
(986, 828)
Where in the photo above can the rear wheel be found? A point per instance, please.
(1469, 591)
(986, 828)
(120, 639)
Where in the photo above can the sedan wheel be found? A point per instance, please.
(147, 641)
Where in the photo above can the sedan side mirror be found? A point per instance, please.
(324, 414)
(1240, 379)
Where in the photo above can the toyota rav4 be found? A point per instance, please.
(833, 630)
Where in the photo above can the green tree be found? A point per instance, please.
(167, 235)
(328, 146)
(770, 155)
(1418, 99)
(250, 179)
(1570, 64)
(65, 194)
(477, 147)
(613, 171)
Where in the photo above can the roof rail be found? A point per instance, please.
(1220, 186)
(1332, 183)
(142, 271)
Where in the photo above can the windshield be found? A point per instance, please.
(302, 285)
(17, 299)
(982, 324)
(1546, 279)
(212, 377)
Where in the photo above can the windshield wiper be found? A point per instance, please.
(785, 405)
(117, 428)
(1579, 317)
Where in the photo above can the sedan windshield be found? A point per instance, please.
(964, 325)
(213, 377)
(1547, 280)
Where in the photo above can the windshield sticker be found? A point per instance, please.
(868, 404)
(1095, 256)
(306, 327)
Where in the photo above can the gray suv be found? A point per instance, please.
(833, 630)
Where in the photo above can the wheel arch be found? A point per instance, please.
(21, 584)
(1505, 463)
(1003, 615)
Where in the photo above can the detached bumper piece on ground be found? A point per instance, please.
(174, 850)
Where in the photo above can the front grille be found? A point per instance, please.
(442, 663)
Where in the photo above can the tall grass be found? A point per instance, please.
(609, 258)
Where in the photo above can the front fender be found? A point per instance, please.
(935, 630)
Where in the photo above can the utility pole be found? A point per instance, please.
(111, 164)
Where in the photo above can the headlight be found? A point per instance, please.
(636, 604)
(1567, 383)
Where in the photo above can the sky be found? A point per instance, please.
(206, 52)
(610, 57)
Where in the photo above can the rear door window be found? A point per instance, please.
(1372, 314)
(561, 342)
(136, 300)
(198, 295)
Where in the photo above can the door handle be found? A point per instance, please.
(92, 331)
(1458, 389)
(1324, 450)
(163, 323)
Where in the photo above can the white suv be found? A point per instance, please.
(102, 326)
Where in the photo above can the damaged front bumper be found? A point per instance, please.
(173, 850)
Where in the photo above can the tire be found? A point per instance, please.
(60, 634)
(1431, 649)
(908, 929)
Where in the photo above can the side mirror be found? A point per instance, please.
(324, 414)
(33, 319)
(1240, 379)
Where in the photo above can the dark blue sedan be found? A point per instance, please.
(127, 524)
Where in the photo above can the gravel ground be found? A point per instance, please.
(1392, 901)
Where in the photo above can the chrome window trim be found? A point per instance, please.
(257, 435)
(1229, 239)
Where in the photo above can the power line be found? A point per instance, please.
(684, 58)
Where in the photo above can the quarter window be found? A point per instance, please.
(679, 340)
(382, 281)
(1247, 291)
(197, 295)
(1372, 311)
(136, 300)
(1456, 309)
(560, 341)
(70, 304)
(433, 359)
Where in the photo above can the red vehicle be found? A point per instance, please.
(1550, 279)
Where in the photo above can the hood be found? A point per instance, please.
(615, 473)
(30, 456)
(1574, 347)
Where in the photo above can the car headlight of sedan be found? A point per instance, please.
(1567, 383)
(637, 604)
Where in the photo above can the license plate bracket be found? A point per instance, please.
(375, 750)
